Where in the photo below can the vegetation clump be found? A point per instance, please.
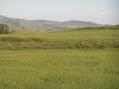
(4, 29)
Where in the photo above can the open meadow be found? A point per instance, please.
(95, 38)
(79, 59)
(59, 69)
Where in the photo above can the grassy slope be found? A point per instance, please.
(59, 69)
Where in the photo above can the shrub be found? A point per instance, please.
(4, 29)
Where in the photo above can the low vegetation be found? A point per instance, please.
(69, 39)
(75, 59)
(59, 69)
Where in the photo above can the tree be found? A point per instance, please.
(4, 29)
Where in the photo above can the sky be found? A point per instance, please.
(99, 11)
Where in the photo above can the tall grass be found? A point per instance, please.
(79, 59)
(72, 39)
(59, 69)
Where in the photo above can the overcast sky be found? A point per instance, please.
(100, 11)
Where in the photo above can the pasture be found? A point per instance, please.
(59, 69)
(95, 38)
(77, 59)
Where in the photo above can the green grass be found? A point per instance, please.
(70, 39)
(79, 59)
(73, 34)
(59, 69)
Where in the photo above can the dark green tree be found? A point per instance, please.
(4, 29)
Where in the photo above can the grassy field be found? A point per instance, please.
(71, 34)
(69, 39)
(59, 69)
(79, 59)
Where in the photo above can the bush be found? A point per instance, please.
(4, 29)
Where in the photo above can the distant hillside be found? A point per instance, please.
(15, 23)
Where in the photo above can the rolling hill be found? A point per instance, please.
(16, 23)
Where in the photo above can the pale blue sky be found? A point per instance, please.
(100, 11)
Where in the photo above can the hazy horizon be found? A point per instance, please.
(99, 11)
